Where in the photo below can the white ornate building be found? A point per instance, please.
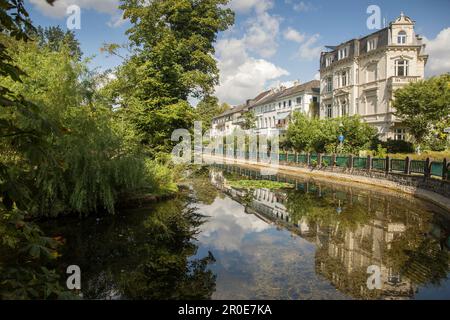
(360, 75)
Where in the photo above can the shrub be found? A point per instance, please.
(321, 135)
(398, 146)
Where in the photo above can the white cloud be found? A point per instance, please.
(439, 51)
(117, 20)
(293, 35)
(241, 76)
(261, 35)
(245, 6)
(300, 6)
(227, 228)
(59, 8)
(310, 50)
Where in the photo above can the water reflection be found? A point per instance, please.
(141, 254)
(314, 241)
(345, 230)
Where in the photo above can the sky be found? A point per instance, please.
(273, 42)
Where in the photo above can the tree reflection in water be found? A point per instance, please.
(353, 229)
(143, 254)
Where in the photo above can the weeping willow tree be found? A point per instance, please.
(61, 151)
(25, 252)
(94, 159)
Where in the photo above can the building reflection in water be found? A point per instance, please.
(353, 229)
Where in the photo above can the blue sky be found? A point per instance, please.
(273, 41)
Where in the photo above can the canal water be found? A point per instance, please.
(305, 240)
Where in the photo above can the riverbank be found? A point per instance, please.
(347, 179)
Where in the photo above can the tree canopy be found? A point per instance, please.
(172, 60)
(424, 107)
(321, 135)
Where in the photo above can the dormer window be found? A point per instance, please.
(401, 38)
(371, 44)
(328, 61)
(343, 53)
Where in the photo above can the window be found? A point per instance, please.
(401, 38)
(371, 44)
(290, 103)
(284, 104)
(273, 121)
(299, 100)
(371, 72)
(401, 68)
(343, 53)
(329, 111)
(328, 61)
(344, 79)
(344, 108)
(400, 134)
(329, 84)
(315, 99)
(394, 277)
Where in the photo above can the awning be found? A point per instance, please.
(283, 115)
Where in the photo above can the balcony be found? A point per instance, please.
(238, 121)
(398, 82)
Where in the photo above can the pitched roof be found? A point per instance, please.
(305, 87)
(231, 111)
(262, 95)
(272, 95)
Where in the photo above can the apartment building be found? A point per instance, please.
(274, 111)
(232, 119)
(361, 75)
(272, 108)
(228, 121)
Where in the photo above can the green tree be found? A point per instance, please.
(174, 40)
(249, 120)
(172, 59)
(422, 105)
(321, 135)
(209, 108)
(25, 252)
(55, 38)
(303, 132)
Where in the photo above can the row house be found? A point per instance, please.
(230, 120)
(360, 76)
(275, 110)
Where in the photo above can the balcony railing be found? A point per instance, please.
(403, 80)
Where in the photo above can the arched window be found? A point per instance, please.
(401, 38)
(401, 68)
